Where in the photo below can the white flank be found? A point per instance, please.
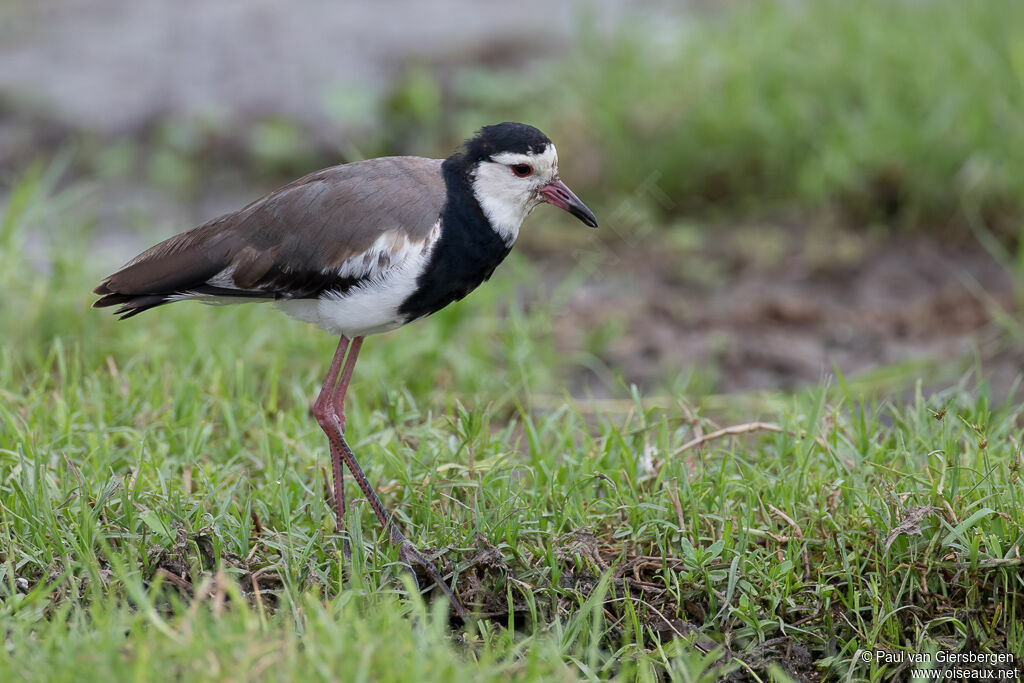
(372, 306)
(507, 199)
(391, 247)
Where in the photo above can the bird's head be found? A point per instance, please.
(513, 167)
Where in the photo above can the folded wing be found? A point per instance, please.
(327, 231)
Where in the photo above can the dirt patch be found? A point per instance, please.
(747, 324)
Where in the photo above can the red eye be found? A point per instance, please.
(521, 170)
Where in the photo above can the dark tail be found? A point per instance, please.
(180, 265)
(131, 304)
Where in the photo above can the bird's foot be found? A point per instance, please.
(410, 556)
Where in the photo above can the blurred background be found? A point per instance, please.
(786, 190)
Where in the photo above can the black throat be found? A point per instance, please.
(466, 253)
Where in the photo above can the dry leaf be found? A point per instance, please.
(910, 524)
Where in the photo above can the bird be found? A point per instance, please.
(358, 249)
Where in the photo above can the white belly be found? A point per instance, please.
(357, 313)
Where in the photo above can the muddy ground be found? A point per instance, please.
(776, 308)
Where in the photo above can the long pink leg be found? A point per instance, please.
(324, 410)
(330, 414)
(338, 399)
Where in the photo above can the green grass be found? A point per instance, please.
(899, 113)
(902, 113)
(162, 499)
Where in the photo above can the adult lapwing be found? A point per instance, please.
(358, 249)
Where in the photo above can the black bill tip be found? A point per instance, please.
(584, 214)
(558, 194)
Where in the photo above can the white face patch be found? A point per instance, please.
(508, 199)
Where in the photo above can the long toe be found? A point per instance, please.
(410, 556)
(408, 553)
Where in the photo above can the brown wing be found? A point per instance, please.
(291, 243)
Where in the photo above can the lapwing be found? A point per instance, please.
(359, 249)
